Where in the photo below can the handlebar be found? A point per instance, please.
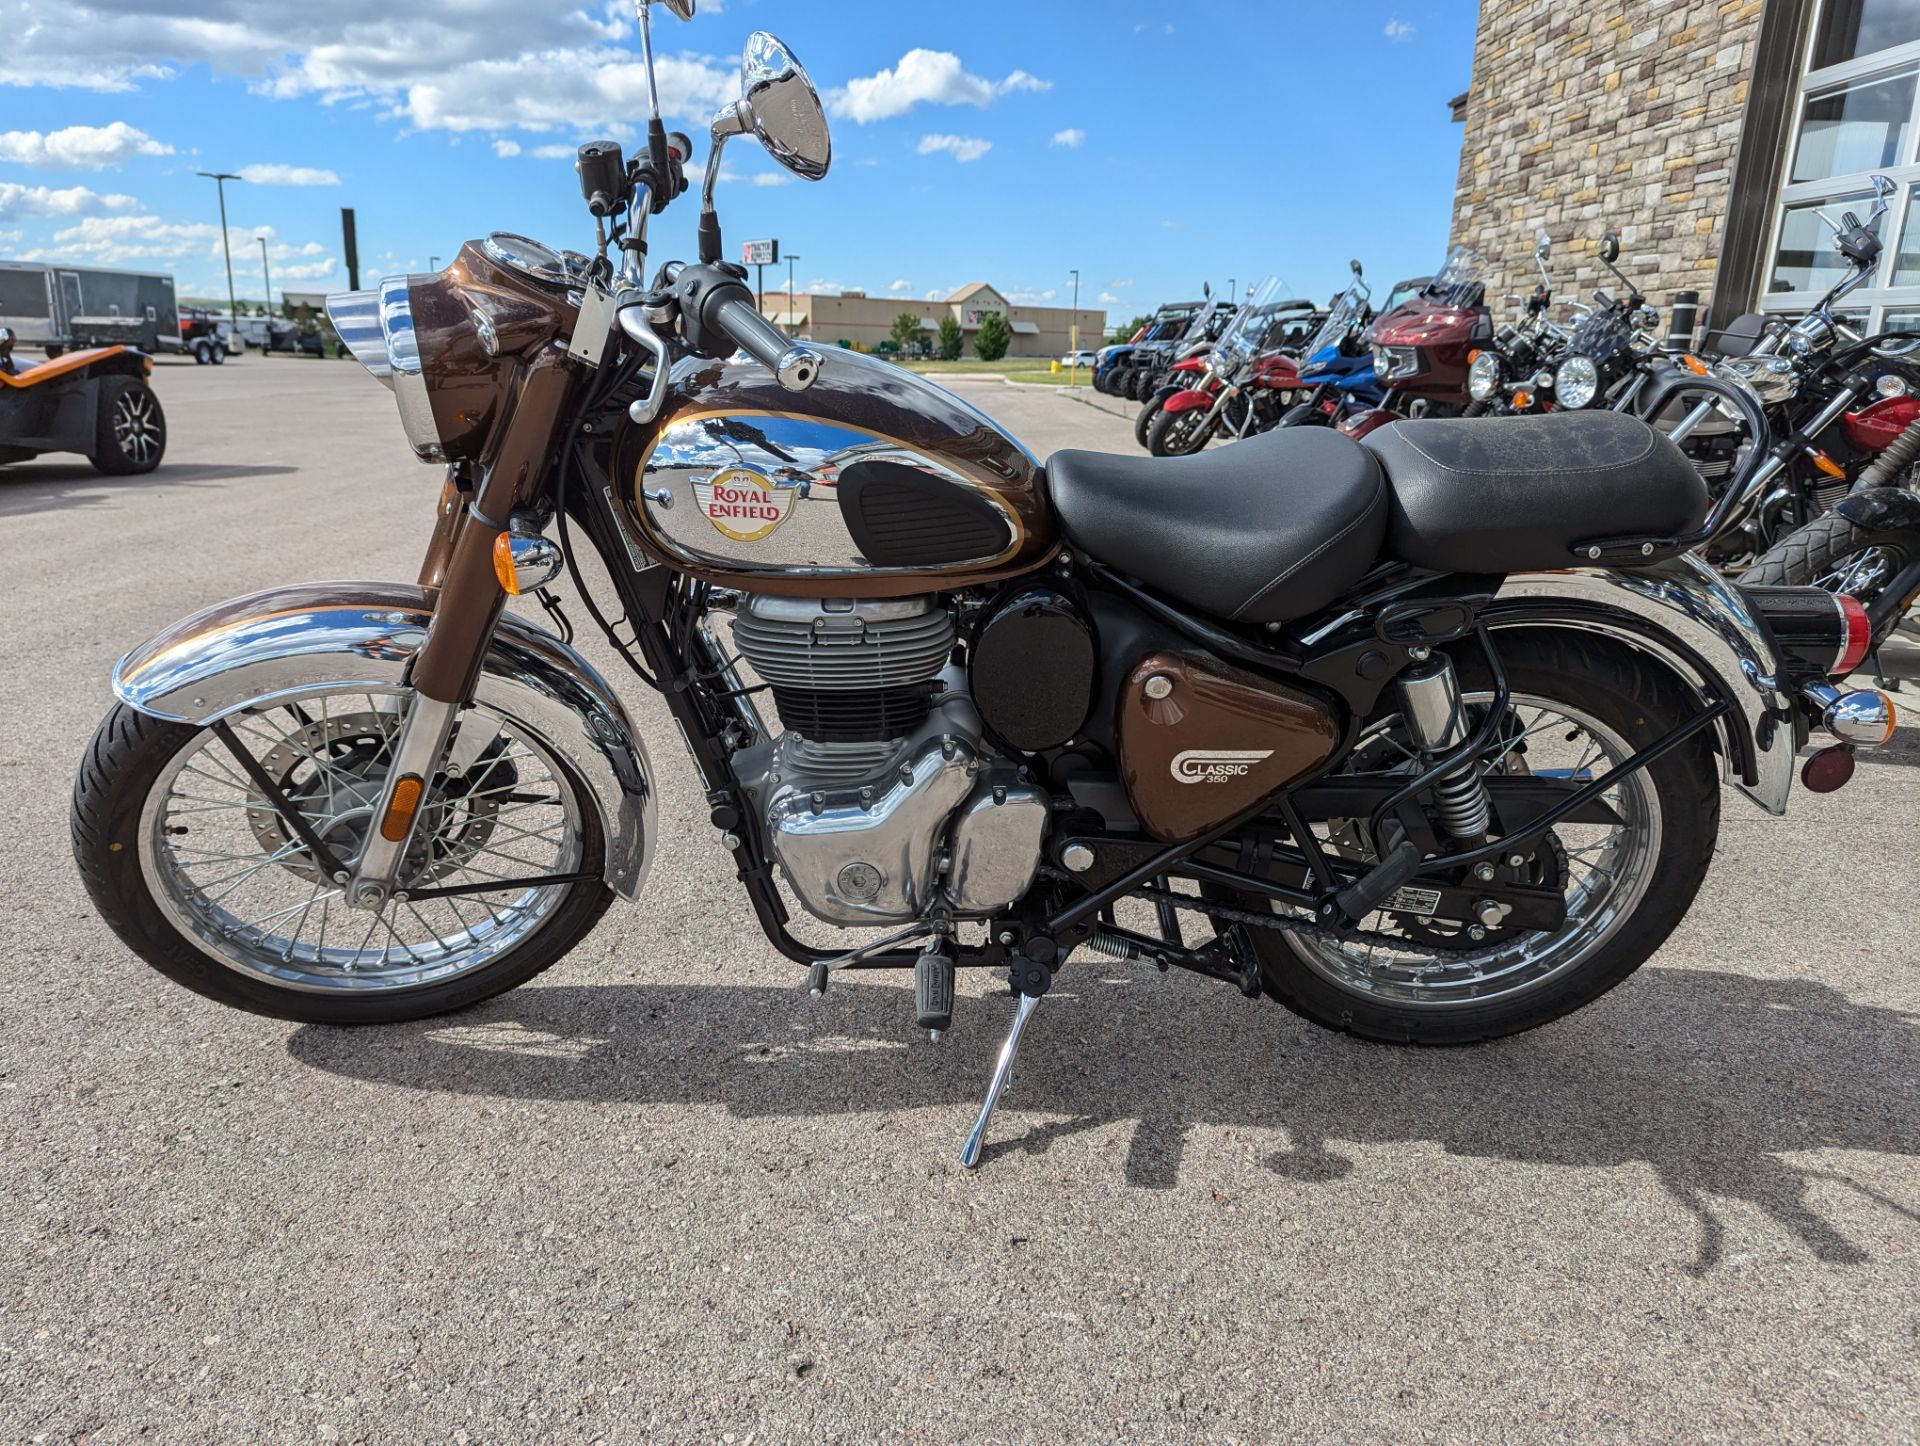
(742, 324)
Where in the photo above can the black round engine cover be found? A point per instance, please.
(1032, 669)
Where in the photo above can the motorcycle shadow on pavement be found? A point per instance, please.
(50, 486)
(1712, 1080)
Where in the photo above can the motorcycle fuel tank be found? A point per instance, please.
(873, 482)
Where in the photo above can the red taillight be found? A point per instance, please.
(1856, 635)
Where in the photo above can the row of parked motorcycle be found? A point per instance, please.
(1806, 432)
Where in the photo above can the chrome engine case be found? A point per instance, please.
(890, 830)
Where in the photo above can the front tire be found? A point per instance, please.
(1179, 434)
(199, 884)
(1526, 979)
(1838, 554)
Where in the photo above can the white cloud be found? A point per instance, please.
(1107, 298)
(307, 270)
(1021, 296)
(279, 175)
(1072, 138)
(506, 148)
(17, 201)
(435, 64)
(961, 148)
(553, 153)
(1398, 30)
(85, 148)
(819, 287)
(900, 287)
(772, 178)
(1121, 283)
(931, 77)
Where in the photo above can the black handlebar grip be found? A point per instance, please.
(740, 321)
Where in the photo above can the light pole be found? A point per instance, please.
(1073, 332)
(220, 179)
(794, 322)
(266, 278)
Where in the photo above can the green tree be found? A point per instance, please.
(953, 341)
(906, 332)
(1124, 332)
(990, 343)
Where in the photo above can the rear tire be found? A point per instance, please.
(1830, 548)
(1636, 702)
(130, 429)
(219, 354)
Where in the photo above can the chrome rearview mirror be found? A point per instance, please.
(780, 108)
(682, 9)
(1543, 244)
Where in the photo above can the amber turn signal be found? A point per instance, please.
(406, 801)
(1693, 364)
(524, 564)
(1522, 400)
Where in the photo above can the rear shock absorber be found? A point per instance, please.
(1437, 721)
(1885, 469)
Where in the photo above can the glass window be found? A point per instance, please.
(1857, 127)
(1906, 262)
(1850, 28)
(1806, 260)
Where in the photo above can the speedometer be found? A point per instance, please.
(528, 257)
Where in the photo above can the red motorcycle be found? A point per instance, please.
(1245, 385)
(1423, 347)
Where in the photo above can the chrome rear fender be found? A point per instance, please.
(279, 646)
(1685, 615)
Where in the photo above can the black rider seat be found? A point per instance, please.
(1508, 494)
(1264, 530)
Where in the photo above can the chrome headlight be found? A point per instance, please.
(1483, 377)
(1577, 382)
(1393, 363)
(377, 327)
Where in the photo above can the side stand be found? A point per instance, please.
(1003, 1067)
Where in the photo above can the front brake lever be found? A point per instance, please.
(633, 321)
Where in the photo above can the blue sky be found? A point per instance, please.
(1153, 147)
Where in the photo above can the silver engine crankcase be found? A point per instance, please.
(885, 831)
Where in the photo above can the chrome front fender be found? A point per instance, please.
(1686, 615)
(279, 646)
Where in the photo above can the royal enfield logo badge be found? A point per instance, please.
(1216, 765)
(742, 504)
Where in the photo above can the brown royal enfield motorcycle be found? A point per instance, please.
(1420, 736)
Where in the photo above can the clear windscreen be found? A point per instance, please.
(1242, 336)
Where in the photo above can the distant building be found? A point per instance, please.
(866, 321)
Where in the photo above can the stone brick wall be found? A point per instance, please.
(1586, 119)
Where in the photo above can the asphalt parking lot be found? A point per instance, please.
(660, 1193)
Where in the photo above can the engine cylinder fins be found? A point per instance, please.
(844, 644)
(847, 670)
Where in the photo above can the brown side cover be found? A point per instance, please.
(1217, 744)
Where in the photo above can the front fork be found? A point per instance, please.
(459, 575)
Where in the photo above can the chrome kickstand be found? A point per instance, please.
(1002, 1073)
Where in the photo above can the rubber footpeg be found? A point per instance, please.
(1365, 893)
(933, 991)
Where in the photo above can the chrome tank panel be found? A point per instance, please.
(274, 647)
(741, 481)
(1700, 625)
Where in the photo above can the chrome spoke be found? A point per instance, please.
(226, 872)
